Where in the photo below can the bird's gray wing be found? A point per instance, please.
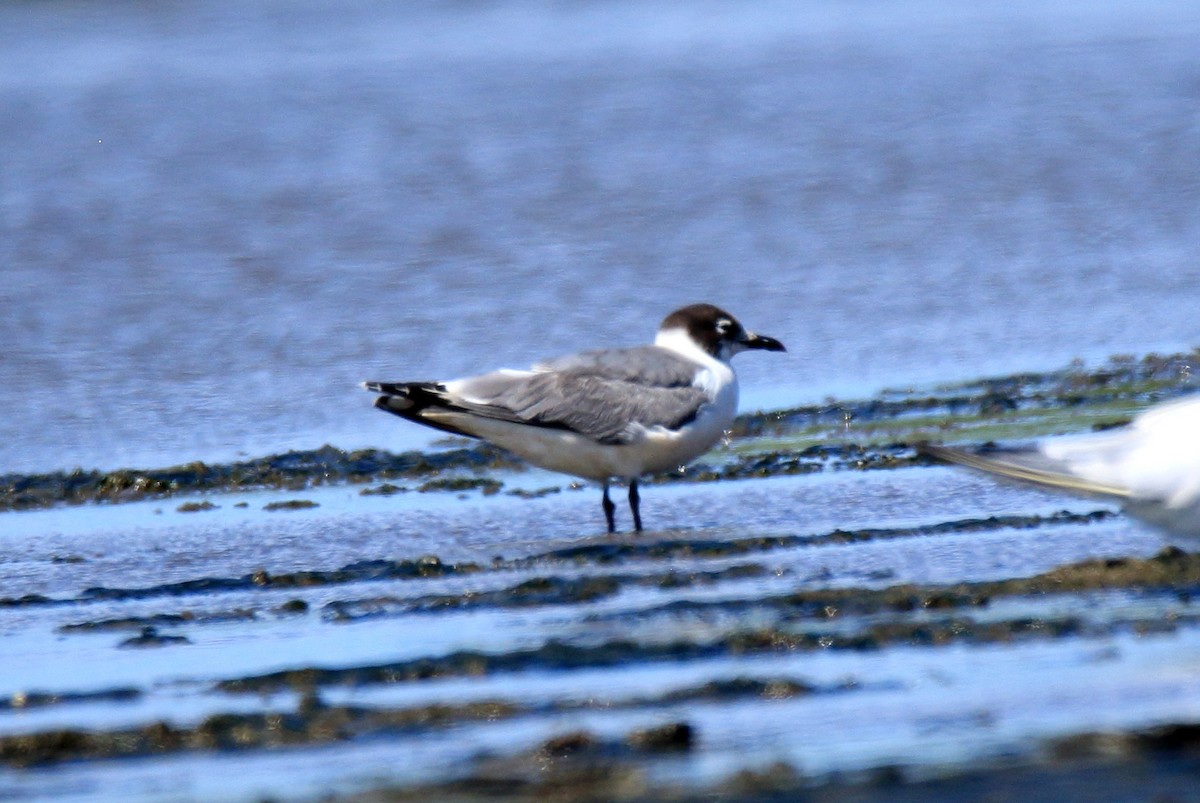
(644, 365)
(604, 395)
(606, 410)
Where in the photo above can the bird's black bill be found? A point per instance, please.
(762, 342)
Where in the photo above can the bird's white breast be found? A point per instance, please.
(668, 449)
(662, 449)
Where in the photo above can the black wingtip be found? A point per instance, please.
(385, 403)
(410, 400)
(395, 388)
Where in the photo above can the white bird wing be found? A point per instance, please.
(1027, 464)
(1156, 458)
(1152, 466)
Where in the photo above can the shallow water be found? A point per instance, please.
(215, 220)
(901, 703)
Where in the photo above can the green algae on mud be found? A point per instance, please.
(459, 484)
(196, 507)
(874, 433)
(291, 504)
(294, 470)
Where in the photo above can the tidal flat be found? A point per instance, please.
(815, 610)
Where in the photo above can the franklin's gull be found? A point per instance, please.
(1152, 466)
(604, 414)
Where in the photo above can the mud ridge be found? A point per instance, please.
(1153, 764)
(315, 722)
(919, 615)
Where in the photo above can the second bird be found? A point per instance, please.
(601, 415)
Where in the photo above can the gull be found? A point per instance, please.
(604, 414)
(1152, 465)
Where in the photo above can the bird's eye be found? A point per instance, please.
(724, 326)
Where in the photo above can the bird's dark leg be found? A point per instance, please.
(609, 507)
(634, 501)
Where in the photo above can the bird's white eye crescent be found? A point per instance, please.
(724, 325)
